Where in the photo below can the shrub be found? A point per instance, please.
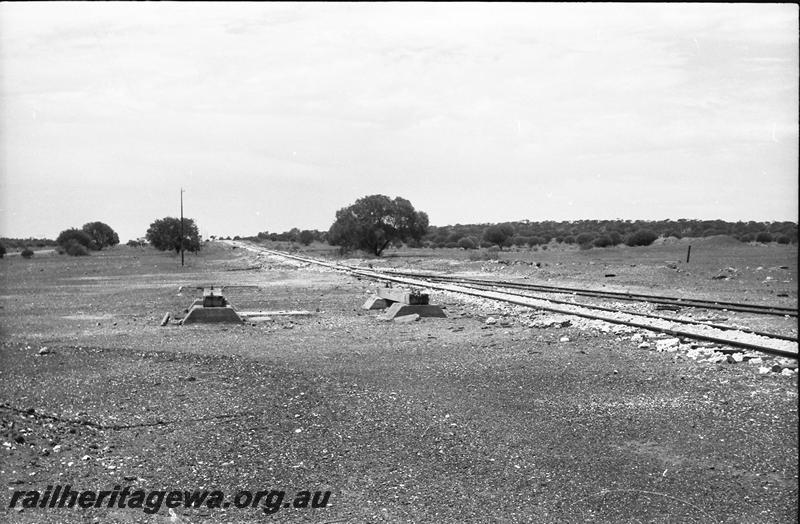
(479, 255)
(467, 243)
(75, 249)
(747, 237)
(26, 253)
(535, 241)
(783, 239)
(493, 249)
(569, 239)
(764, 237)
(643, 237)
(585, 239)
(519, 240)
(74, 235)
(602, 241)
(451, 245)
(2, 250)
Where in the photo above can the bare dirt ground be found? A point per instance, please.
(441, 420)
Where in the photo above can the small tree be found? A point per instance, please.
(165, 235)
(26, 253)
(498, 234)
(101, 234)
(305, 237)
(373, 222)
(2, 250)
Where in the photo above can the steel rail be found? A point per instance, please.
(639, 297)
(530, 302)
(723, 327)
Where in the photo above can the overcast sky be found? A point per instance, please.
(273, 116)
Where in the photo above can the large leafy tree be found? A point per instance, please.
(101, 234)
(375, 221)
(165, 235)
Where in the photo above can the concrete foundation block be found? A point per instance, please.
(423, 310)
(375, 302)
(404, 296)
(211, 315)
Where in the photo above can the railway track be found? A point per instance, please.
(723, 327)
(779, 345)
(637, 297)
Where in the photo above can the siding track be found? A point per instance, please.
(638, 297)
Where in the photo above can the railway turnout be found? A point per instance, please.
(521, 294)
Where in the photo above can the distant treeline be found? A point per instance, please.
(587, 233)
(305, 237)
(22, 243)
(602, 233)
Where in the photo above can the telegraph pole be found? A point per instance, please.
(181, 227)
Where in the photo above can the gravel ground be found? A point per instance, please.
(494, 413)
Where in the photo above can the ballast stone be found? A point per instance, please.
(669, 344)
